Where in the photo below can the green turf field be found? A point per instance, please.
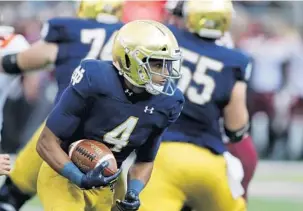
(277, 186)
(267, 204)
(255, 204)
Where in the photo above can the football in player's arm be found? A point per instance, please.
(82, 102)
(65, 41)
(64, 120)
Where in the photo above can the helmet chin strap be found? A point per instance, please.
(153, 89)
(149, 87)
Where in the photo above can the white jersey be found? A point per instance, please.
(294, 84)
(10, 84)
(269, 55)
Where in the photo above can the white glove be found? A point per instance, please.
(235, 175)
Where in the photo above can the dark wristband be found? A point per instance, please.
(10, 65)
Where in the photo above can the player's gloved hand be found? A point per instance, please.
(131, 202)
(95, 178)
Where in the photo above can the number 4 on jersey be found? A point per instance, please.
(120, 135)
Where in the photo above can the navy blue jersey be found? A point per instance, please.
(77, 39)
(97, 106)
(209, 73)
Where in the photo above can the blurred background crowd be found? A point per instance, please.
(270, 31)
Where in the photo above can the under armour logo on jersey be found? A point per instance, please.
(128, 92)
(150, 110)
(77, 75)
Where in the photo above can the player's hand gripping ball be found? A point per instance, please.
(89, 154)
(96, 161)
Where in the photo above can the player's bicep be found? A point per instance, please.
(66, 115)
(235, 112)
(38, 55)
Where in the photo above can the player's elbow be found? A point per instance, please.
(43, 146)
(236, 113)
(236, 118)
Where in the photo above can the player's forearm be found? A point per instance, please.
(239, 120)
(236, 130)
(48, 147)
(50, 151)
(139, 175)
(236, 113)
(36, 57)
(20, 63)
(31, 60)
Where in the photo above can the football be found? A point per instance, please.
(88, 154)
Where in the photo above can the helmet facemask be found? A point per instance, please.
(153, 72)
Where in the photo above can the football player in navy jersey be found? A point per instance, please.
(126, 104)
(65, 42)
(193, 164)
(245, 149)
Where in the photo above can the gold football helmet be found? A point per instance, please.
(208, 18)
(137, 46)
(94, 8)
